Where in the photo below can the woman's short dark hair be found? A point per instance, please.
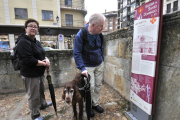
(31, 20)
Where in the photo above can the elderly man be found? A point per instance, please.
(88, 55)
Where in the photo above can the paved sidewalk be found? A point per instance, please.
(15, 106)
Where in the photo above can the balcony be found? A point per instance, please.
(131, 23)
(128, 13)
(121, 19)
(128, 3)
(121, 1)
(132, 14)
(74, 23)
(137, 5)
(132, 1)
(121, 10)
(172, 10)
(125, 24)
(79, 6)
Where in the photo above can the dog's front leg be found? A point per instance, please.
(75, 111)
(81, 110)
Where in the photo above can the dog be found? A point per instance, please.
(72, 95)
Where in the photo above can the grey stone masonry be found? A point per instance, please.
(62, 70)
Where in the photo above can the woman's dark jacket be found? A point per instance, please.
(29, 52)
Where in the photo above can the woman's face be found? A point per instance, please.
(31, 29)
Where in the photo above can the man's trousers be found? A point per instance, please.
(96, 74)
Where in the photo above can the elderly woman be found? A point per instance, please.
(33, 64)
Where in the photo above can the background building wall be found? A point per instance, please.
(165, 11)
(19, 4)
(78, 18)
(2, 12)
(50, 5)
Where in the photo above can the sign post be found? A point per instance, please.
(61, 41)
(145, 59)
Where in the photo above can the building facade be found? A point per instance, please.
(126, 11)
(171, 6)
(58, 20)
(111, 22)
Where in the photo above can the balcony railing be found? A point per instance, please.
(74, 5)
(74, 23)
(173, 10)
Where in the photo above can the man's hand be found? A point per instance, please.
(85, 72)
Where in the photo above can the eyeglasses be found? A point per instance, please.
(32, 27)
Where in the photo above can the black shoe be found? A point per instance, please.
(92, 114)
(98, 109)
(44, 107)
(38, 118)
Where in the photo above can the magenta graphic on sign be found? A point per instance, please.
(149, 10)
(142, 85)
(148, 57)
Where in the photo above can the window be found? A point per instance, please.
(105, 28)
(169, 8)
(175, 6)
(124, 12)
(133, 7)
(47, 15)
(124, 3)
(69, 19)
(110, 19)
(110, 23)
(110, 28)
(68, 2)
(20, 13)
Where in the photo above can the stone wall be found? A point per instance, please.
(62, 70)
(168, 89)
(118, 53)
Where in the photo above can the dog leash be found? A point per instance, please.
(87, 85)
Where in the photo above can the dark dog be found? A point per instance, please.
(73, 95)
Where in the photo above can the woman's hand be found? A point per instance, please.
(47, 62)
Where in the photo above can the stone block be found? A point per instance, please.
(165, 110)
(123, 87)
(122, 49)
(168, 84)
(113, 75)
(110, 74)
(124, 64)
(13, 81)
(3, 64)
(112, 48)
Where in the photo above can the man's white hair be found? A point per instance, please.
(95, 18)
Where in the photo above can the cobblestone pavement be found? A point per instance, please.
(15, 106)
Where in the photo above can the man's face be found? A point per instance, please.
(99, 26)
